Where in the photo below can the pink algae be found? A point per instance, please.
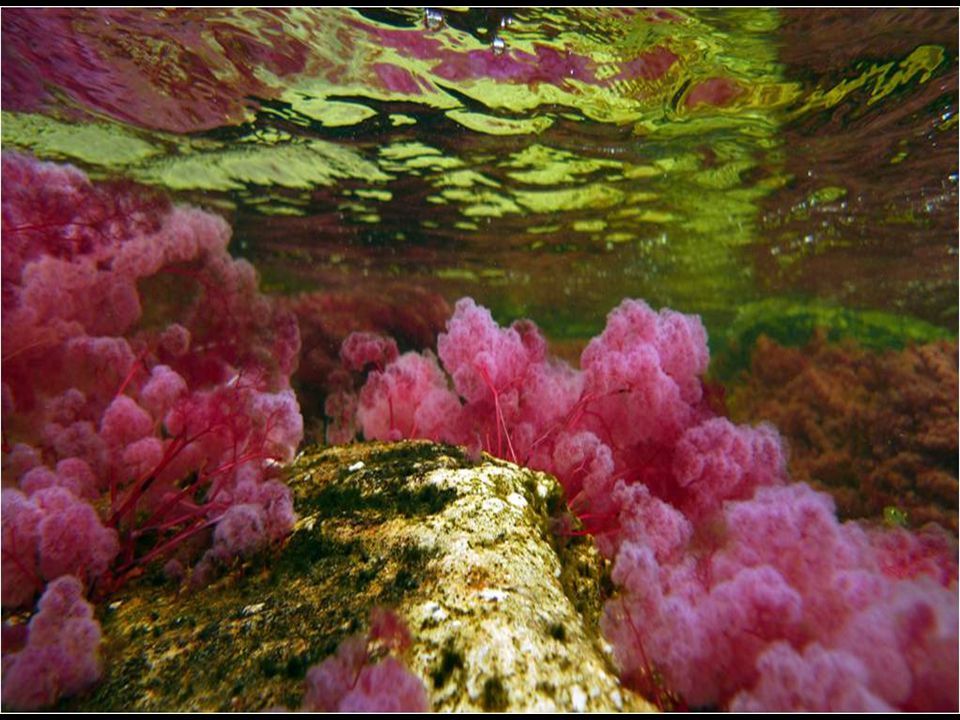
(350, 680)
(146, 395)
(59, 655)
(736, 587)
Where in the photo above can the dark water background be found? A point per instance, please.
(548, 162)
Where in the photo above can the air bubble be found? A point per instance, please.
(434, 19)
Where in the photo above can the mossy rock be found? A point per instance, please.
(503, 615)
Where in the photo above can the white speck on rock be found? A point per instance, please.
(578, 699)
(617, 699)
(517, 500)
(434, 611)
(494, 505)
(356, 466)
(252, 609)
(493, 594)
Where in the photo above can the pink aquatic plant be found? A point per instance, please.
(56, 654)
(736, 587)
(349, 680)
(328, 373)
(146, 396)
(141, 365)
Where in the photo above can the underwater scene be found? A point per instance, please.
(498, 359)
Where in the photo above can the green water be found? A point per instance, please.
(749, 165)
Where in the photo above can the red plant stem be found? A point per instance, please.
(191, 488)
(366, 659)
(177, 444)
(48, 340)
(501, 422)
(570, 420)
(390, 406)
(160, 549)
(647, 669)
(47, 226)
(159, 513)
(579, 409)
(173, 449)
(193, 512)
(606, 428)
(137, 364)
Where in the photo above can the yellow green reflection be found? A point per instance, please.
(581, 131)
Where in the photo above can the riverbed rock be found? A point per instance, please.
(502, 610)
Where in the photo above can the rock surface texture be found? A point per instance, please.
(502, 612)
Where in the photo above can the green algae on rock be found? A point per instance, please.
(503, 615)
(793, 321)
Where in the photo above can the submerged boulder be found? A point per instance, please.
(502, 613)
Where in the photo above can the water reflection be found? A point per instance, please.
(546, 161)
(870, 216)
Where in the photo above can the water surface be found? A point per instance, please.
(548, 162)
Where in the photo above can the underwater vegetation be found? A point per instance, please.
(146, 397)
(147, 407)
(877, 430)
(775, 171)
(348, 682)
(57, 654)
(411, 315)
(740, 586)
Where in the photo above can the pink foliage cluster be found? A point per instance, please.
(57, 655)
(347, 681)
(325, 380)
(51, 533)
(359, 351)
(141, 365)
(145, 393)
(742, 589)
